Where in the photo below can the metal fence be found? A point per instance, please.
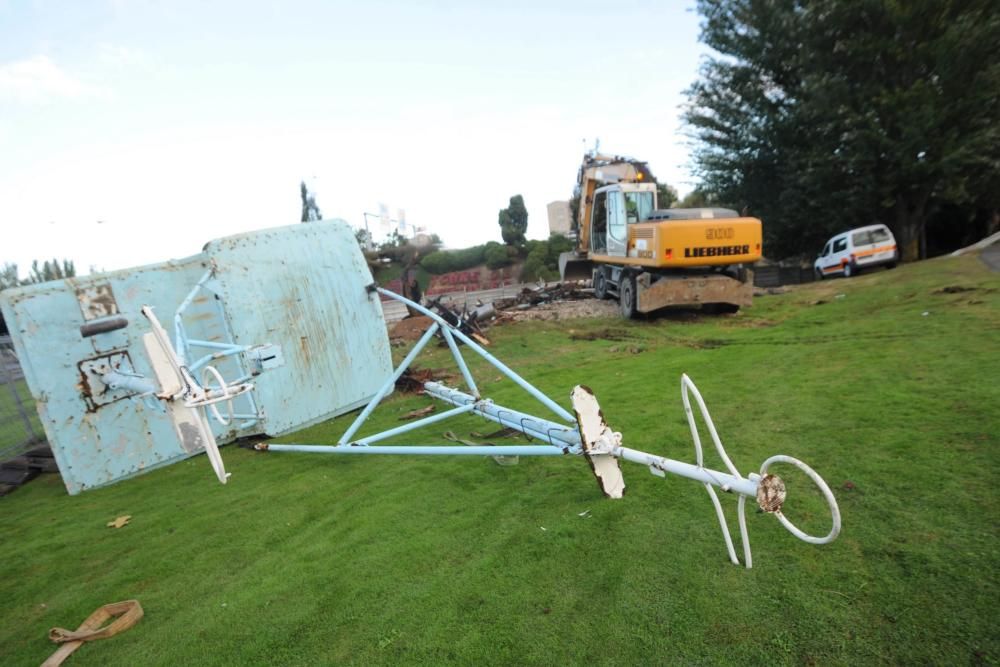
(20, 428)
(775, 276)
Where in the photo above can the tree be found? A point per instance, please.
(514, 222)
(310, 209)
(364, 239)
(697, 198)
(394, 240)
(40, 273)
(47, 271)
(822, 115)
(9, 276)
(666, 196)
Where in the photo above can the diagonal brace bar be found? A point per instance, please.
(389, 384)
(475, 347)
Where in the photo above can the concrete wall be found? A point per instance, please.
(559, 217)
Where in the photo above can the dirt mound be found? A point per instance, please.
(410, 328)
(564, 310)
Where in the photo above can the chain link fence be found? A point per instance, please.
(20, 429)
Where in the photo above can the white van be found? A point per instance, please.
(858, 249)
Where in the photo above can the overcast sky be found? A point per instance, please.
(134, 131)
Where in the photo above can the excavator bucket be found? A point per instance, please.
(575, 267)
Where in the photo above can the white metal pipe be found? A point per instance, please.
(723, 480)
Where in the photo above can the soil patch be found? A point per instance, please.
(410, 328)
(564, 310)
(601, 334)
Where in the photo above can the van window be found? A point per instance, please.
(870, 236)
(840, 244)
(826, 250)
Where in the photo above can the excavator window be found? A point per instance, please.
(616, 216)
(599, 224)
(639, 206)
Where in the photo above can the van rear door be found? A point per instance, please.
(873, 245)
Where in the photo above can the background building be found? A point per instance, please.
(559, 218)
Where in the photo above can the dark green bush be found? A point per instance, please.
(446, 261)
(496, 255)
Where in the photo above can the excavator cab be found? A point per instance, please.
(615, 208)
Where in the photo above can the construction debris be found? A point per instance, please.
(502, 433)
(466, 321)
(122, 616)
(422, 412)
(412, 380)
(503, 460)
(543, 301)
(545, 293)
(24, 468)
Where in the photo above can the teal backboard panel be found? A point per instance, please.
(301, 288)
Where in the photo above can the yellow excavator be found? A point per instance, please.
(650, 258)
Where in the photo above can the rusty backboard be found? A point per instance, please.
(300, 288)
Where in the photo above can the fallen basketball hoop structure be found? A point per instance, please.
(584, 433)
(130, 378)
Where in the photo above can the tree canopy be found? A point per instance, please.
(40, 272)
(310, 209)
(822, 115)
(513, 222)
(666, 195)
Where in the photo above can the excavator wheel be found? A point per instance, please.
(627, 300)
(600, 284)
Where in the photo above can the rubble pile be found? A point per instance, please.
(543, 301)
(544, 293)
(412, 380)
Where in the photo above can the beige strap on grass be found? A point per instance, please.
(125, 615)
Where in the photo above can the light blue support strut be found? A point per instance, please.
(406, 428)
(561, 440)
(444, 450)
(475, 347)
(183, 346)
(225, 351)
(554, 434)
(389, 384)
(460, 360)
(180, 337)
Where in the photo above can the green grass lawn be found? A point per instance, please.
(885, 384)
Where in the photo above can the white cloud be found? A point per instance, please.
(115, 55)
(38, 79)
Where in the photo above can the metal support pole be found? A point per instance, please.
(542, 429)
(499, 365)
(406, 428)
(722, 480)
(429, 450)
(181, 347)
(469, 382)
(389, 384)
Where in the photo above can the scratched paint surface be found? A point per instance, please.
(300, 287)
(303, 287)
